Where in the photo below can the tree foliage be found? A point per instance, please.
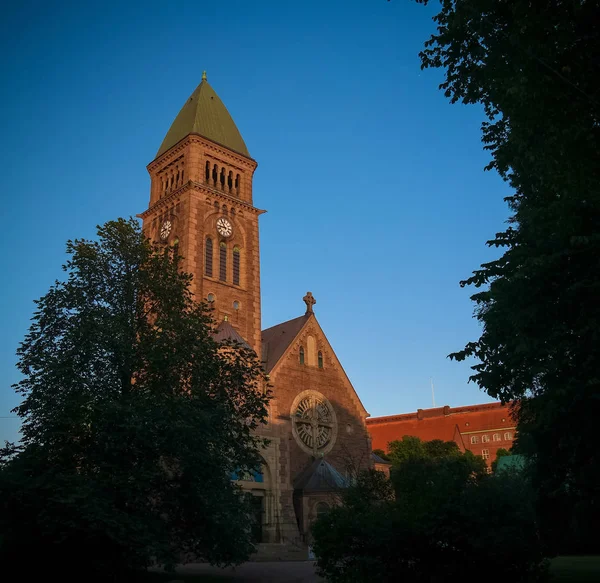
(133, 419)
(439, 519)
(410, 447)
(534, 67)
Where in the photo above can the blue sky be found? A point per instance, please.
(374, 185)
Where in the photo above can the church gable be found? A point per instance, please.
(314, 406)
(298, 352)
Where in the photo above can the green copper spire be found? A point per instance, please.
(204, 114)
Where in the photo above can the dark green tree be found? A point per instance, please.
(534, 68)
(443, 520)
(133, 420)
(410, 447)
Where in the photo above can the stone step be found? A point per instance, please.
(280, 552)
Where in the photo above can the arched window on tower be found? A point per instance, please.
(215, 175)
(223, 261)
(237, 183)
(230, 180)
(302, 355)
(236, 266)
(175, 248)
(207, 172)
(320, 359)
(222, 179)
(208, 257)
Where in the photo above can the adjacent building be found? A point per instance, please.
(481, 429)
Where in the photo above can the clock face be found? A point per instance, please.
(224, 227)
(165, 229)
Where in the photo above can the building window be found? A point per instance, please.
(474, 439)
(508, 436)
(223, 262)
(320, 359)
(236, 266)
(485, 439)
(208, 257)
(301, 355)
(210, 298)
(496, 437)
(236, 305)
(322, 508)
(485, 454)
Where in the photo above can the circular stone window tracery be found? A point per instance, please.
(314, 424)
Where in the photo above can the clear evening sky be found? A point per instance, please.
(374, 185)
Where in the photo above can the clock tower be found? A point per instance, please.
(201, 206)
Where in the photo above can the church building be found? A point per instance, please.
(202, 204)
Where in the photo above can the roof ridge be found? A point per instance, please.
(444, 411)
(285, 322)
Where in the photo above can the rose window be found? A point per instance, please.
(314, 422)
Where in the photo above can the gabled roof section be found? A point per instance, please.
(205, 114)
(320, 476)
(276, 343)
(275, 340)
(225, 331)
(379, 460)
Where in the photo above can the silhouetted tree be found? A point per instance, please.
(534, 68)
(133, 421)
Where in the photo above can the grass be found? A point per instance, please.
(566, 569)
(575, 569)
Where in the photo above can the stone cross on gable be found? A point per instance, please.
(310, 302)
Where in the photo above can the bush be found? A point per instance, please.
(423, 535)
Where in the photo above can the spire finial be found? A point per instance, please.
(204, 76)
(225, 318)
(310, 302)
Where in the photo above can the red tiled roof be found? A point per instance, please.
(446, 423)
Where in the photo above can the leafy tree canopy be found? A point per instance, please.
(443, 524)
(534, 68)
(410, 447)
(133, 419)
(426, 473)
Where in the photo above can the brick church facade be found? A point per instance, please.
(202, 204)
